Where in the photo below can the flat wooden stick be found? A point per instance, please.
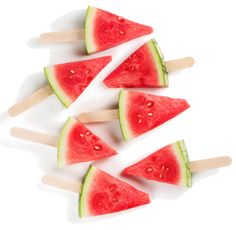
(195, 166)
(34, 136)
(29, 101)
(61, 183)
(100, 116)
(178, 64)
(62, 36)
(212, 163)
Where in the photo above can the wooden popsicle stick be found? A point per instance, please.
(100, 116)
(178, 64)
(62, 36)
(29, 101)
(34, 136)
(195, 166)
(212, 163)
(61, 183)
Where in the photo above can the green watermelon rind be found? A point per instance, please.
(126, 133)
(88, 28)
(84, 189)
(61, 148)
(182, 154)
(50, 75)
(159, 59)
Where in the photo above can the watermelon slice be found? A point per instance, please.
(102, 193)
(169, 164)
(141, 112)
(104, 30)
(69, 80)
(78, 144)
(144, 68)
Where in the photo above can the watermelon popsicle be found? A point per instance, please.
(170, 164)
(100, 193)
(103, 188)
(145, 68)
(75, 144)
(67, 81)
(138, 112)
(102, 31)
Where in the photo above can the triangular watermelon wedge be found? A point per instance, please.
(104, 30)
(144, 68)
(170, 164)
(102, 193)
(140, 112)
(78, 144)
(69, 80)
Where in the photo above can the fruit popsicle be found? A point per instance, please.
(170, 164)
(66, 80)
(102, 193)
(138, 112)
(103, 30)
(75, 144)
(145, 68)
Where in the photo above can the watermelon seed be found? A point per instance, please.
(72, 71)
(167, 169)
(139, 121)
(120, 18)
(81, 135)
(161, 176)
(112, 187)
(87, 71)
(132, 68)
(97, 147)
(139, 115)
(121, 32)
(150, 114)
(114, 199)
(87, 133)
(150, 104)
(149, 170)
(163, 167)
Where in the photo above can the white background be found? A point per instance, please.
(202, 29)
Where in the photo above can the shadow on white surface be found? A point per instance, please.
(45, 155)
(3, 117)
(72, 20)
(198, 176)
(31, 83)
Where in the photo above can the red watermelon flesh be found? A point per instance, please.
(140, 112)
(69, 80)
(170, 164)
(144, 68)
(78, 144)
(104, 30)
(101, 193)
